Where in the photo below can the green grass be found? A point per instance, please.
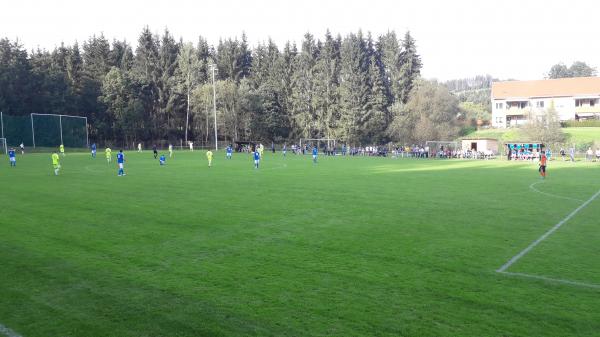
(347, 247)
(574, 135)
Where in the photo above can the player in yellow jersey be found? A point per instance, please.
(108, 152)
(55, 162)
(209, 156)
(62, 149)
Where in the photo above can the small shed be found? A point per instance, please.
(480, 144)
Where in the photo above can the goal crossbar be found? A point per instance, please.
(60, 117)
(328, 140)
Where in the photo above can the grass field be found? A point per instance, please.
(347, 247)
(576, 135)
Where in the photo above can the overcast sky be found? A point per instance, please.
(461, 38)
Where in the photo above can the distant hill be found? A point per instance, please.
(476, 89)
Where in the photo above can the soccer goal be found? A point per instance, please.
(49, 130)
(329, 143)
(3, 147)
(441, 148)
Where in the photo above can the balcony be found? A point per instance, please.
(514, 111)
(587, 109)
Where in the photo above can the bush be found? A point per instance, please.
(590, 123)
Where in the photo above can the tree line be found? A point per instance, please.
(355, 88)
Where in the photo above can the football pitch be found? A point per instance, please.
(351, 246)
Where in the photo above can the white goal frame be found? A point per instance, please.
(87, 137)
(328, 140)
(454, 145)
(3, 145)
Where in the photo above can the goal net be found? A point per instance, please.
(442, 148)
(321, 143)
(3, 147)
(52, 130)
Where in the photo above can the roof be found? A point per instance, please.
(480, 138)
(561, 87)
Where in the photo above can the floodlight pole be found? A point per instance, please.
(2, 123)
(213, 69)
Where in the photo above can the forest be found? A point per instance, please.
(356, 88)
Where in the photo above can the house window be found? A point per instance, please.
(539, 104)
(499, 106)
(499, 120)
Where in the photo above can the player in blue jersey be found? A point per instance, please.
(162, 159)
(94, 150)
(229, 151)
(315, 153)
(256, 158)
(12, 157)
(121, 162)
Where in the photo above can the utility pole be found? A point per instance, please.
(213, 69)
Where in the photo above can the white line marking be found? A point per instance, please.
(549, 279)
(8, 332)
(548, 194)
(543, 237)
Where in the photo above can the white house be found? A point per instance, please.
(513, 102)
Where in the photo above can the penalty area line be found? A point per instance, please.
(545, 235)
(8, 332)
(555, 280)
(549, 194)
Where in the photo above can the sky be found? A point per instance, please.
(456, 39)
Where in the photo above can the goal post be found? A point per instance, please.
(51, 130)
(329, 142)
(3, 146)
(437, 146)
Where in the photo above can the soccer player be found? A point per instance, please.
(55, 162)
(261, 149)
(108, 152)
(315, 153)
(229, 151)
(572, 154)
(22, 146)
(209, 156)
(284, 150)
(256, 158)
(170, 150)
(94, 150)
(121, 162)
(139, 147)
(162, 159)
(155, 151)
(62, 149)
(542, 168)
(12, 157)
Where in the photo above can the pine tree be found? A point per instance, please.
(327, 73)
(189, 72)
(410, 67)
(303, 95)
(354, 85)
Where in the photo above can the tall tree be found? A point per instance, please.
(354, 86)
(189, 72)
(410, 66)
(577, 69)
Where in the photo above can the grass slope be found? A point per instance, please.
(575, 135)
(347, 247)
